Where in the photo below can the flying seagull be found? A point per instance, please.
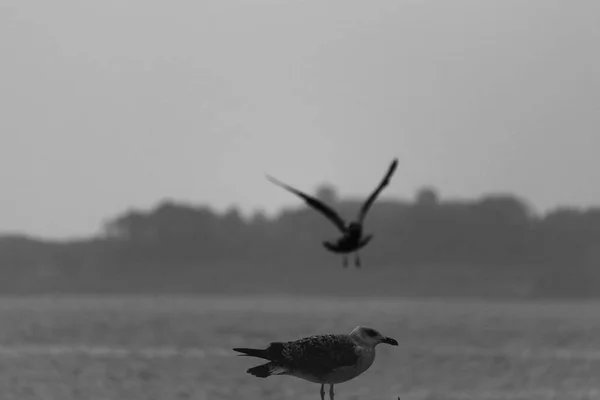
(325, 359)
(352, 233)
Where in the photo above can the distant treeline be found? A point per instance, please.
(492, 246)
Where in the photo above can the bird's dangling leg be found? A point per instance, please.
(345, 261)
(357, 260)
(322, 392)
(331, 392)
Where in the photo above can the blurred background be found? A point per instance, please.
(140, 240)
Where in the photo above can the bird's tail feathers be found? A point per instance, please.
(252, 352)
(366, 240)
(266, 370)
(329, 246)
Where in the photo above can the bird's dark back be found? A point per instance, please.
(320, 352)
(354, 230)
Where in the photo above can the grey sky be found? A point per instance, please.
(120, 103)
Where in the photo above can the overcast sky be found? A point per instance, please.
(114, 104)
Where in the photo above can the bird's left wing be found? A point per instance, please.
(320, 354)
(314, 203)
(384, 182)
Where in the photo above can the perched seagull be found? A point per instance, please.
(325, 359)
(352, 233)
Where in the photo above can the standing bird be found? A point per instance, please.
(352, 233)
(325, 359)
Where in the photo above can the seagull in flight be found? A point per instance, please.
(324, 359)
(352, 238)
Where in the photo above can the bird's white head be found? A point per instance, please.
(370, 337)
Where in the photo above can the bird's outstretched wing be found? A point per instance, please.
(314, 203)
(384, 182)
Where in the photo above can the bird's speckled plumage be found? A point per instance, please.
(318, 356)
(324, 359)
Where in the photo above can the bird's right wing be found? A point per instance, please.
(320, 354)
(314, 203)
(384, 182)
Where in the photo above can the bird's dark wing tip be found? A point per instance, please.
(272, 179)
(392, 167)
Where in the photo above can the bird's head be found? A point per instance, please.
(370, 337)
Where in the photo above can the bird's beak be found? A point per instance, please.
(390, 341)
